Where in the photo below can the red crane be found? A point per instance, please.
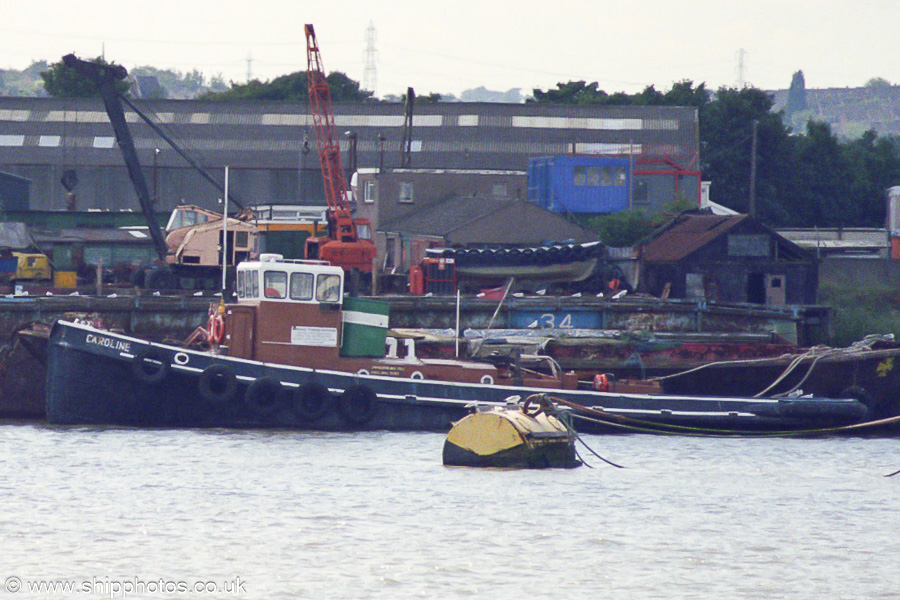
(349, 241)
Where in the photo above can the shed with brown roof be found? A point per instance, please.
(729, 258)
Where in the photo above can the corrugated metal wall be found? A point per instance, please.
(262, 141)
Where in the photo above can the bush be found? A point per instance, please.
(858, 312)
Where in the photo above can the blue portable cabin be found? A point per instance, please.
(579, 184)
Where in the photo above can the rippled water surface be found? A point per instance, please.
(376, 515)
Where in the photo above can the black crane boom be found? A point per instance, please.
(106, 76)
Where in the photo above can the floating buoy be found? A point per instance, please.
(523, 436)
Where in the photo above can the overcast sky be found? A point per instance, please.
(447, 47)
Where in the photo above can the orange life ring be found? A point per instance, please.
(601, 382)
(216, 328)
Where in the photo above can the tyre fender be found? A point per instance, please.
(357, 404)
(312, 401)
(150, 366)
(265, 395)
(217, 383)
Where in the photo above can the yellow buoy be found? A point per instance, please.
(526, 436)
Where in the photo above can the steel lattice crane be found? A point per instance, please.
(349, 241)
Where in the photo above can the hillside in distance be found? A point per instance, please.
(849, 111)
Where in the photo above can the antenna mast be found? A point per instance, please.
(370, 76)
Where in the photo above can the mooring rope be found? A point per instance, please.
(563, 418)
(591, 450)
(816, 353)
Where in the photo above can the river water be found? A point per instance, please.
(275, 514)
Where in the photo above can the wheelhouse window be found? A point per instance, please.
(275, 284)
(242, 239)
(301, 286)
(241, 284)
(369, 191)
(328, 288)
(247, 284)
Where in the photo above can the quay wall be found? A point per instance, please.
(158, 317)
(151, 317)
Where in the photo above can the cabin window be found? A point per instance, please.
(606, 176)
(275, 284)
(241, 239)
(369, 191)
(301, 286)
(586, 176)
(619, 176)
(242, 284)
(579, 177)
(187, 218)
(328, 288)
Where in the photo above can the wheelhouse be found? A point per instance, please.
(274, 278)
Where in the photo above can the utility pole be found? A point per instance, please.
(752, 204)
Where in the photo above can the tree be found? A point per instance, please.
(726, 132)
(826, 176)
(624, 228)
(431, 98)
(878, 82)
(175, 83)
(796, 99)
(682, 93)
(292, 88)
(62, 82)
(573, 92)
(874, 163)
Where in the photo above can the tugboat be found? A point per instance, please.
(294, 352)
